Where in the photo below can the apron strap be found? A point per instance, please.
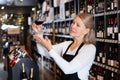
(77, 49)
(67, 48)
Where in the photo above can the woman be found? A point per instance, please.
(74, 58)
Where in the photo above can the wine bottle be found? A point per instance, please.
(72, 9)
(81, 6)
(90, 8)
(63, 28)
(31, 76)
(67, 28)
(108, 5)
(104, 55)
(108, 28)
(112, 57)
(56, 28)
(99, 6)
(23, 75)
(67, 10)
(116, 27)
(115, 4)
(116, 61)
(109, 56)
(59, 28)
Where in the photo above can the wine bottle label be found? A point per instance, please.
(109, 62)
(98, 58)
(108, 31)
(67, 13)
(63, 30)
(115, 29)
(112, 5)
(100, 54)
(113, 35)
(67, 30)
(103, 59)
(112, 63)
(89, 8)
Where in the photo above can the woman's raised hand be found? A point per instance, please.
(35, 28)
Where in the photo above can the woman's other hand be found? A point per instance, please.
(44, 42)
(35, 28)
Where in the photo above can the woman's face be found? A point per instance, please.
(78, 29)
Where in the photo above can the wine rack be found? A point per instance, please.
(107, 31)
(106, 18)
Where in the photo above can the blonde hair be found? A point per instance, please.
(89, 23)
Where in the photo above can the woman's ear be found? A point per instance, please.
(87, 31)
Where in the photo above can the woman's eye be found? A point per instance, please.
(78, 25)
(73, 22)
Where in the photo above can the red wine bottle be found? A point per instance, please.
(23, 75)
(31, 76)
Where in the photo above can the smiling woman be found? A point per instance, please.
(69, 55)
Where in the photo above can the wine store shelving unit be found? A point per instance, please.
(107, 31)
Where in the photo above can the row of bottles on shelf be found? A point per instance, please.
(100, 73)
(112, 28)
(107, 27)
(106, 5)
(70, 8)
(73, 7)
(107, 60)
(23, 74)
(61, 27)
(108, 54)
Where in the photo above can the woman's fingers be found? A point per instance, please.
(37, 38)
(45, 42)
(46, 37)
(35, 27)
(48, 44)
